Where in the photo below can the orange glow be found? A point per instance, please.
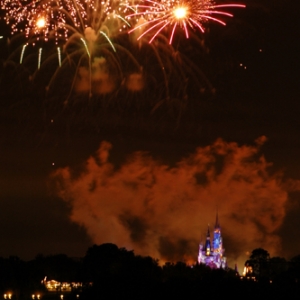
(173, 189)
(41, 22)
(180, 12)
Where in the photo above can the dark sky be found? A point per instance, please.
(159, 185)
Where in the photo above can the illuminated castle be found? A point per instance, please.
(213, 255)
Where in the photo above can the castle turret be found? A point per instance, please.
(217, 239)
(207, 247)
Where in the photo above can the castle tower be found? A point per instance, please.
(213, 255)
(217, 239)
(207, 247)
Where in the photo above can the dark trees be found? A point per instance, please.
(278, 267)
(117, 272)
(59, 267)
(259, 261)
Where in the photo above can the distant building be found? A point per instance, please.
(212, 254)
(56, 286)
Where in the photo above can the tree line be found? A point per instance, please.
(275, 269)
(117, 272)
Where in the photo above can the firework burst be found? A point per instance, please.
(39, 19)
(153, 16)
(90, 47)
(58, 20)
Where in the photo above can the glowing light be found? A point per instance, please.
(110, 42)
(59, 57)
(40, 58)
(22, 53)
(177, 14)
(180, 12)
(85, 46)
(40, 23)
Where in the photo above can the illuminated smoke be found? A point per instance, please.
(102, 81)
(163, 211)
(135, 82)
(90, 35)
(82, 84)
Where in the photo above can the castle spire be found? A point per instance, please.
(212, 254)
(217, 225)
(208, 232)
(207, 243)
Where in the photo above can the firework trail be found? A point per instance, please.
(91, 44)
(154, 16)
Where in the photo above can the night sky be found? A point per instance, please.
(147, 170)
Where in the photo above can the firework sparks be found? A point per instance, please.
(53, 18)
(157, 15)
(39, 19)
(58, 20)
(82, 31)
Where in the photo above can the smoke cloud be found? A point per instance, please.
(163, 211)
(99, 81)
(135, 82)
(90, 35)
